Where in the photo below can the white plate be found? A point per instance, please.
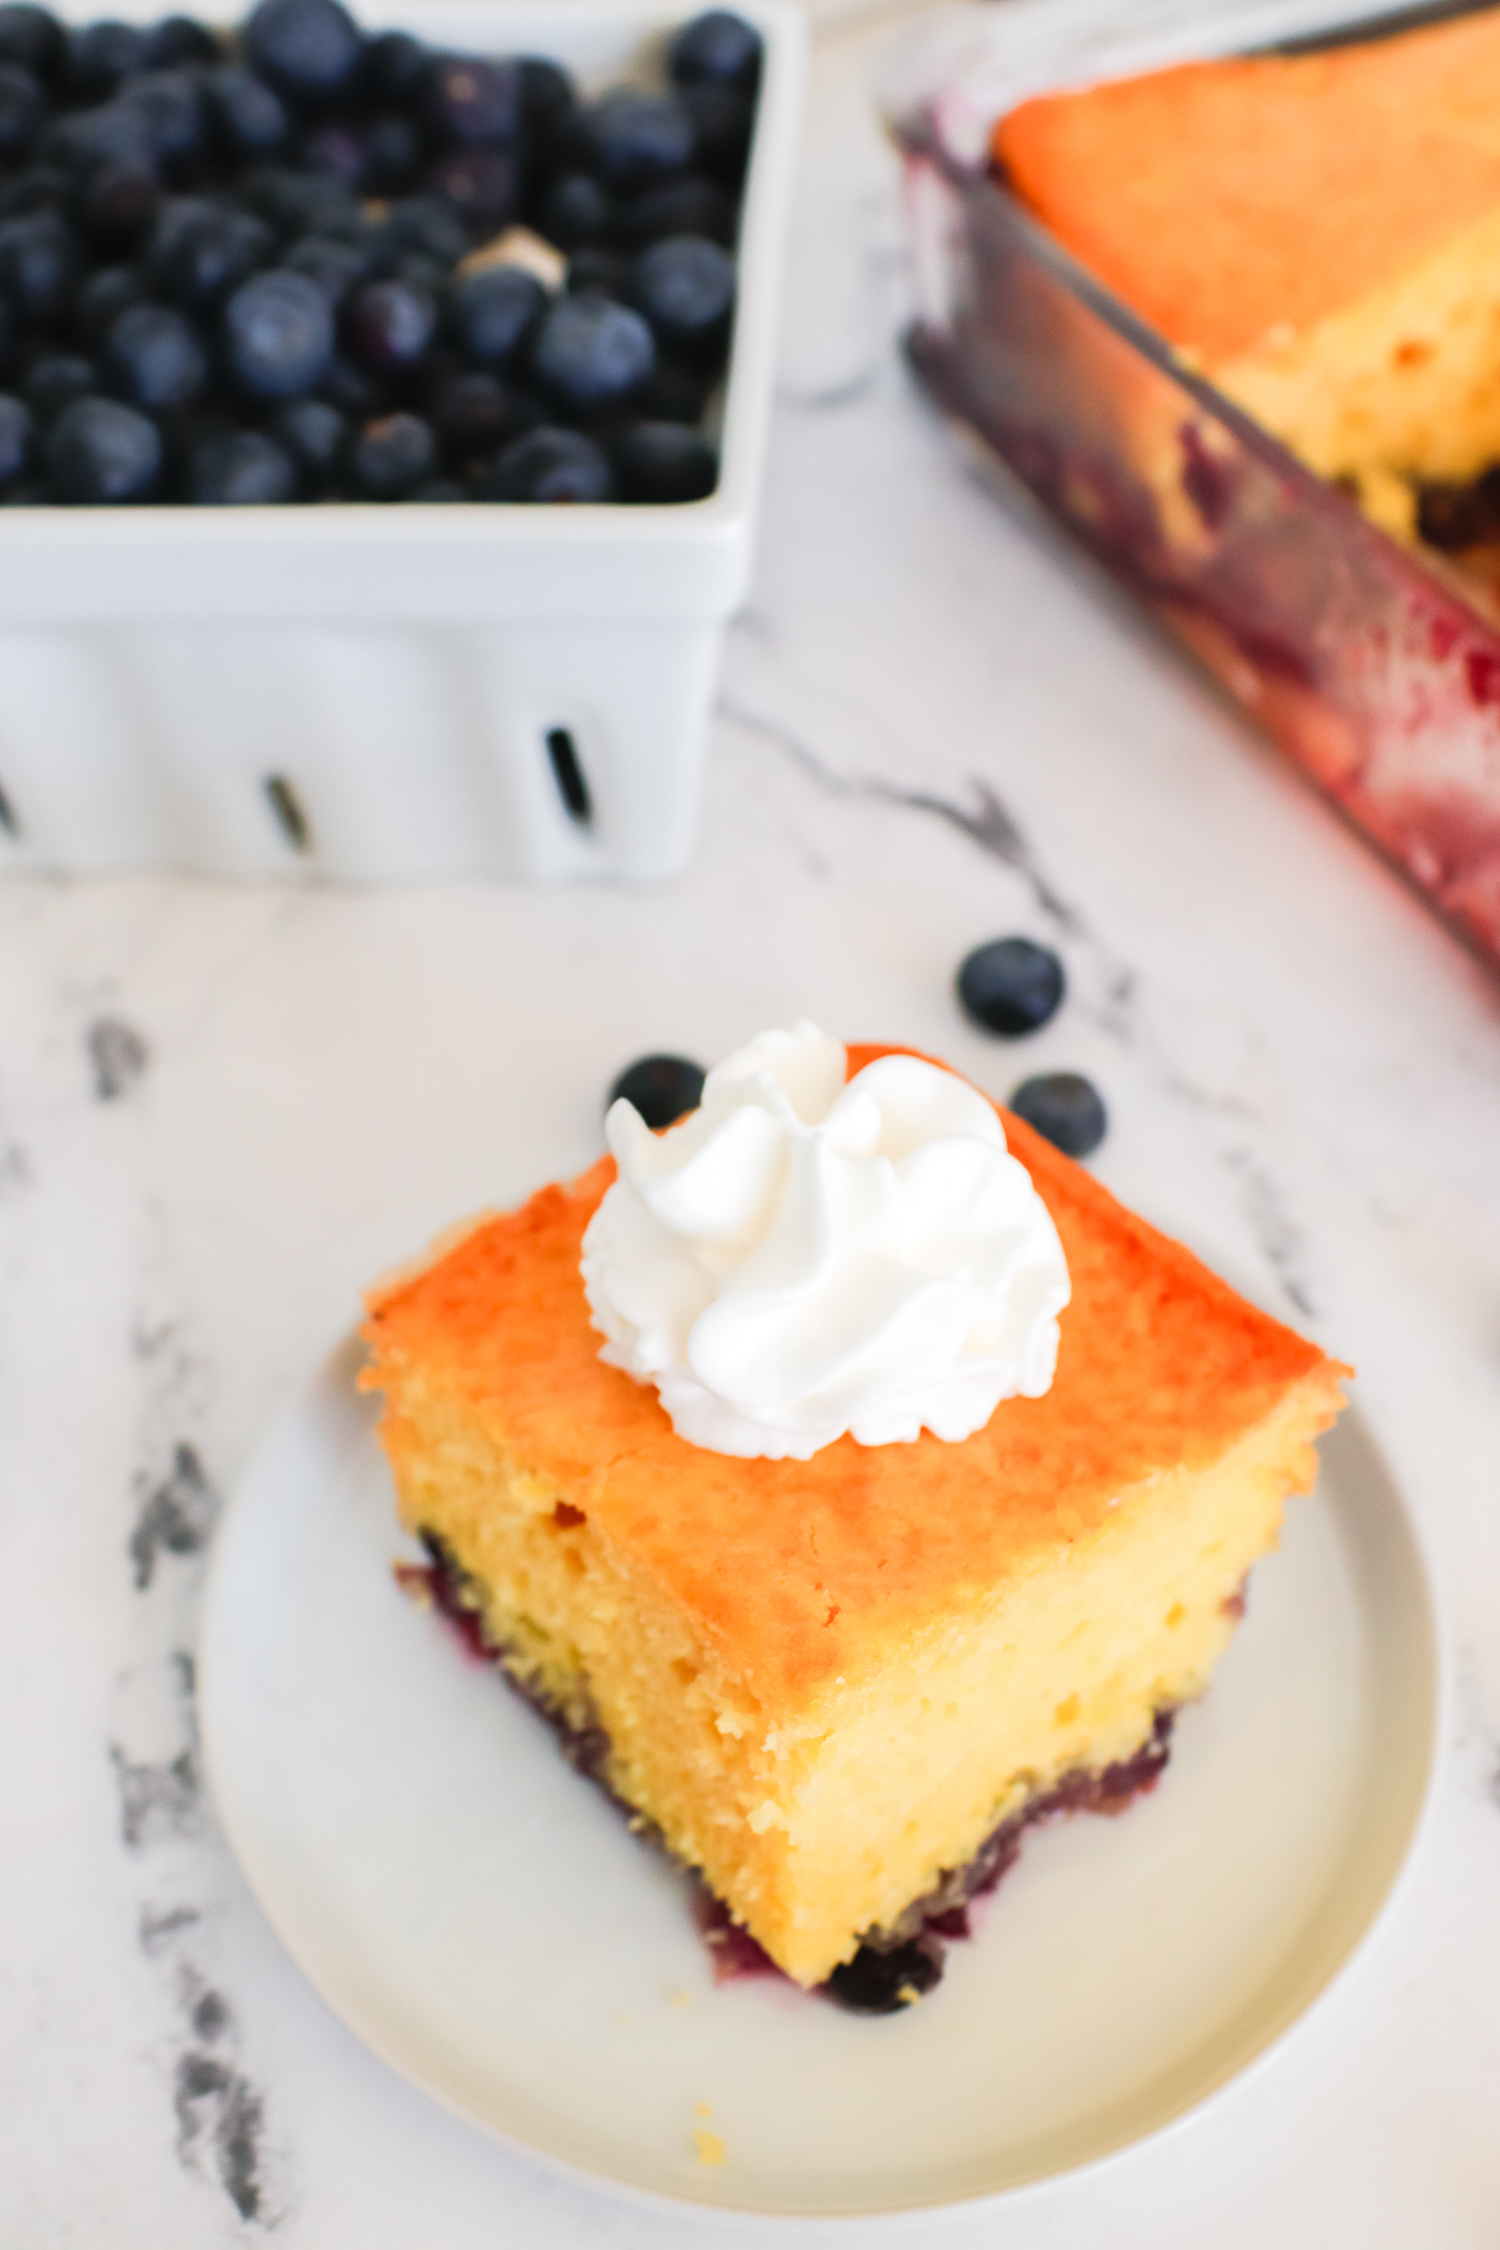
(487, 1923)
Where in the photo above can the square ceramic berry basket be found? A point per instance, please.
(1376, 668)
(382, 694)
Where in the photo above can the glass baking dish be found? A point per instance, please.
(1370, 665)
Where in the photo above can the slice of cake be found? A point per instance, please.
(832, 1684)
(1318, 233)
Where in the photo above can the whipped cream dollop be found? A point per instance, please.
(803, 1256)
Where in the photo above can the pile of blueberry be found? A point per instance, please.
(268, 266)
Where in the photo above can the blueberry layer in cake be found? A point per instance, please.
(830, 1684)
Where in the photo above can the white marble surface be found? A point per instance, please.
(221, 1109)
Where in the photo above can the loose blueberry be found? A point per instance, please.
(1065, 1108)
(102, 454)
(38, 267)
(279, 331)
(718, 48)
(632, 138)
(473, 104)
(592, 353)
(689, 206)
(315, 435)
(483, 184)
(551, 465)
(199, 252)
(243, 469)
(685, 288)
(336, 267)
(882, 1984)
(22, 109)
(55, 380)
(116, 204)
(493, 314)
(33, 39)
(155, 358)
(661, 1088)
(177, 42)
(390, 324)
(577, 211)
(392, 456)
(101, 56)
(17, 435)
(1011, 986)
(100, 302)
(308, 49)
(664, 462)
(723, 123)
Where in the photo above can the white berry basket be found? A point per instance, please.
(378, 694)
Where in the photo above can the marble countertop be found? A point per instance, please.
(222, 1108)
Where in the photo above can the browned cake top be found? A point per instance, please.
(804, 1569)
(1225, 199)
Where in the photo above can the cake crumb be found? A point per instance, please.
(709, 2146)
(680, 1999)
(908, 1995)
(705, 2109)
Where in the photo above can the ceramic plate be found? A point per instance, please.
(488, 1924)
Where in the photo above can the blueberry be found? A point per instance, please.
(723, 122)
(390, 324)
(685, 288)
(245, 116)
(335, 148)
(33, 39)
(155, 358)
(102, 453)
(22, 109)
(577, 211)
(592, 353)
(551, 465)
(396, 69)
(355, 390)
(481, 183)
(391, 456)
(241, 469)
(302, 202)
(439, 492)
(116, 205)
(55, 380)
(40, 187)
(38, 267)
(877, 1983)
(664, 462)
(336, 267)
(315, 435)
(199, 252)
(169, 105)
(1011, 986)
(426, 223)
(178, 42)
(678, 391)
(17, 433)
(308, 49)
(100, 302)
(114, 131)
(632, 138)
(393, 152)
(661, 1088)
(717, 48)
(473, 104)
(8, 338)
(492, 315)
(476, 414)
(689, 206)
(101, 56)
(278, 328)
(1065, 1109)
(547, 93)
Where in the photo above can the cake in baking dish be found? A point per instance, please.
(837, 1686)
(1319, 233)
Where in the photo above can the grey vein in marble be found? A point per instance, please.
(118, 1056)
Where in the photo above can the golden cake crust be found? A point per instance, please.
(802, 1572)
(1227, 200)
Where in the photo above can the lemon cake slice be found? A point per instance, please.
(837, 1685)
(1319, 233)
